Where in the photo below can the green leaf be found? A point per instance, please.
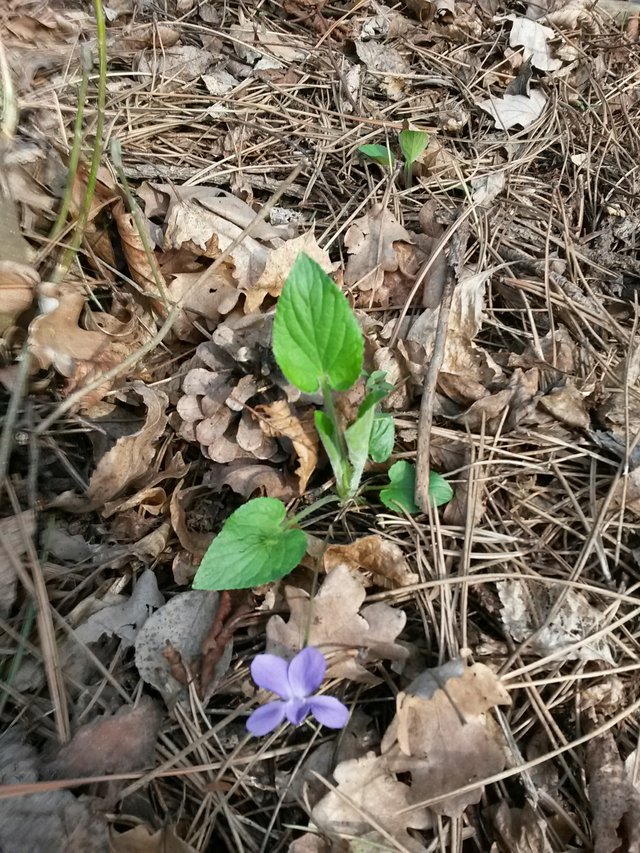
(402, 486)
(440, 492)
(382, 437)
(358, 437)
(379, 153)
(316, 337)
(377, 381)
(399, 494)
(255, 546)
(412, 144)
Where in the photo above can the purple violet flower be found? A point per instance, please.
(295, 682)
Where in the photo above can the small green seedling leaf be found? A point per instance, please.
(402, 485)
(377, 381)
(382, 437)
(255, 546)
(358, 437)
(316, 337)
(399, 494)
(379, 154)
(412, 144)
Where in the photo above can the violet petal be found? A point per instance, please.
(297, 710)
(306, 672)
(270, 672)
(329, 711)
(266, 718)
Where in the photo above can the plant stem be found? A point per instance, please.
(342, 477)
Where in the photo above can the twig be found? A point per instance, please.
(454, 262)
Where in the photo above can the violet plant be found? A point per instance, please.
(296, 683)
(319, 347)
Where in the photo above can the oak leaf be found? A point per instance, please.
(277, 420)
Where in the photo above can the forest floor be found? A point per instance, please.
(162, 166)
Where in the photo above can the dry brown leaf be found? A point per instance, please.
(12, 538)
(48, 821)
(387, 67)
(367, 796)
(370, 243)
(141, 839)
(462, 357)
(18, 279)
(615, 801)
(375, 554)
(349, 636)
(511, 110)
(130, 459)
(524, 610)
(201, 300)
(567, 406)
(277, 419)
(249, 478)
(182, 502)
(144, 269)
(119, 744)
(55, 337)
(443, 736)
(518, 830)
(278, 266)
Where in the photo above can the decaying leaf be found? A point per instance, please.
(443, 736)
(462, 356)
(18, 279)
(55, 338)
(348, 636)
(567, 405)
(251, 478)
(511, 110)
(178, 628)
(369, 798)
(131, 457)
(144, 268)
(518, 830)
(124, 620)
(370, 242)
(13, 530)
(277, 420)
(525, 608)
(141, 839)
(52, 820)
(615, 799)
(116, 744)
(375, 554)
(386, 65)
(202, 300)
(534, 37)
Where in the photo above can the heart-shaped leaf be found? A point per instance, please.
(379, 154)
(255, 546)
(316, 338)
(402, 486)
(412, 144)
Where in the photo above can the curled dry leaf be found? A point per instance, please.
(375, 554)
(567, 406)
(13, 530)
(372, 253)
(250, 479)
(349, 637)
(442, 735)
(143, 267)
(277, 420)
(534, 38)
(386, 65)
(120, 743)
(367, 797)
(131, 457)
(201, 299)
(518, 830)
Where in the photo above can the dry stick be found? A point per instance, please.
(37, 588)
(160, 335)
(454, 263)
